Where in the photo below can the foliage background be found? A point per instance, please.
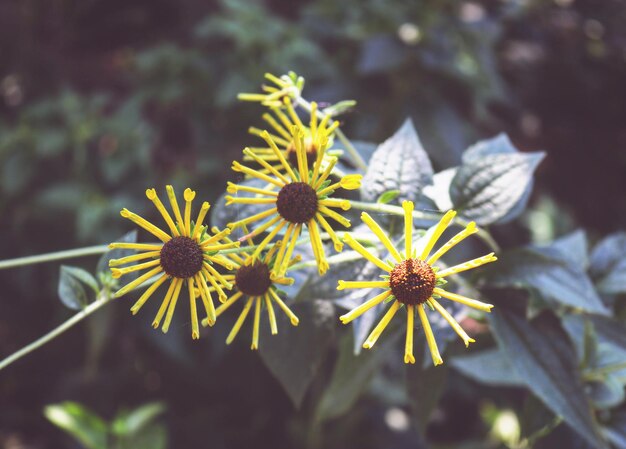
(101, 99)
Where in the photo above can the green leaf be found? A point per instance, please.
(152, 436)
(606, 394)
(551, 274)
(399, 163)
(494, 182)
(350, 377)
(133, 422)
(79, 422)
(489, 367)
(295, 354)
(388, 196)
(83, 276)
(542, 356)
(608, 264)
(574, 247)
(71, 290)
(425, 385)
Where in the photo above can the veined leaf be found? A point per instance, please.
(81, 423)
(71, 291)
(489, 367)
(399, 163)
(608, 264)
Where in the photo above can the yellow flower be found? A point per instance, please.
(287, 86)
(318, 136)
(413, 281)
(301, 200)
(186, 253)
(253, 281)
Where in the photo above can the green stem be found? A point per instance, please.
(354, 154)
(90, 309)
(421, 215)
(600, 373)
(58, 255)
(347, 256)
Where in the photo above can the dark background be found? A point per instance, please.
(102, 99)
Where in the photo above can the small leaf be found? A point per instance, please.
(83, 276)
(399, 163)
(71, 291)
(295, 354)
(133, 422)
(489, 367)
(606, 394)
(493, 181)
(79, 422)
(548, 272)
(388, 196)
(542, 356)
(339, 108)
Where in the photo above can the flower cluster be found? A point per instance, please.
(293, 177)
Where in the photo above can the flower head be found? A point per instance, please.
(301, 200)
(413, 281)
(184, 255)
(318, 137)
(253, 282)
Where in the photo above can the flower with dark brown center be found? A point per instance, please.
(412, 281)
(297, 202)
(253, 280)
(181, 257)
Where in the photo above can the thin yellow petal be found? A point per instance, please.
(436, 233)
(474, 263)
(264, 164)
(464, 300)
(292, 246)
(256, 174)
(342, 285)
(147, 294)
(117, 272)
(270, 314)
(365, 253)
(255, 326)
(152, 195)
(242, 317)
(174, 203)
(334, 215)
(225, 306)
(331, 232)
(133, 258)
(270, 236)
(140, 280)
(469, 230)
(195, 328)
(452, 322)
(198, 225)
(207, 300)
(408, 227)
(279, 154)
(430, 338)
(165, 303)
(172, 307)
(408, 346)
(336, 202)
(382, 235)
(152, 229)
(137, 246)
(234, 188)
(360, 310)
(189, 196)
(292, 316)
(316, 242)
(253, 218)
(382, 324)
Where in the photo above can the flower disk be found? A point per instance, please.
(297, 202)
(412, 281)
(253, 280)
(181, 257)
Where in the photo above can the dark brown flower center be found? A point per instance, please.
(253, 280)
(311, 155)
(412, 281)
(297, 202)
(181, 257)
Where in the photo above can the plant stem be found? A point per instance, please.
(90, 309)
(346, 256)
(354, 154)
(58, 255)
(421, 215)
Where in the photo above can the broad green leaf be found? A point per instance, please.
(152, 436)
(295, 354)
(492, 183)
(350, 376)
(425, 385)
(542, 356)
(399, 163)
(551, 274)
(71, 291)
(606, 394)
(79, 422)
(83, 276)
(134, 421)
(574, 247)
(608, 264)
(439, 190)
(489, 367)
